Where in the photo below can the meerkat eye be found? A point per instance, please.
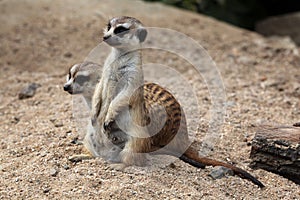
(120, 29)
(108, 26)
(69, 76)
(81, 79)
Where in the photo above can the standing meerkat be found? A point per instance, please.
(121, 102)
(122, 75)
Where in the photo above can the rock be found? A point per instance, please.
(28, 91)
(296, 92)
(53, 172)
(46, 189)
(220, 172)
(297, 124)
(56, 123)
(43, 154)
(15, 120)
(66, 167)
(283, 25)
(76, 141)
(68, 55)
(172, 165)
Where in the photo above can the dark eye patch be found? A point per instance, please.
(81, 79)
(108, 26)
(120, 29)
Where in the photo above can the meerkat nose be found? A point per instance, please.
(67, 87)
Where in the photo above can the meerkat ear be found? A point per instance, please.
(141, 34)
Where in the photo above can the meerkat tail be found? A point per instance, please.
(192, 162)
(191, 157)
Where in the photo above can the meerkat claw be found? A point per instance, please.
(107, 125)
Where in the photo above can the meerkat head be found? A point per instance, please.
(82, 78)
(124, 32)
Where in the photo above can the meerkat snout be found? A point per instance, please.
(68, 88)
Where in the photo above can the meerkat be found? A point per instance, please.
(82, 79)
(121, 101)
(122, 75)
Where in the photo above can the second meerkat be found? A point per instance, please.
(121, 101)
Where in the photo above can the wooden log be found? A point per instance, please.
(277, 149)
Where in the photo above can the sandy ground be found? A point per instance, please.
(41, 39)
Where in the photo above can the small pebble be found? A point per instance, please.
(172, 165)
(297, 124)
(43, 153)
(58, 124)
(220, 171)
(15, 120)
(68, 55)
(66, 167)
(76, 141)
(46, 189)
(28, 91)
(53, 172)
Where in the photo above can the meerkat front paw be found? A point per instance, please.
(107, 126)
(109, 120)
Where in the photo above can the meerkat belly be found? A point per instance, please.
(108, 94)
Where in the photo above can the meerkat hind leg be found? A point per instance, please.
(129, 161)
